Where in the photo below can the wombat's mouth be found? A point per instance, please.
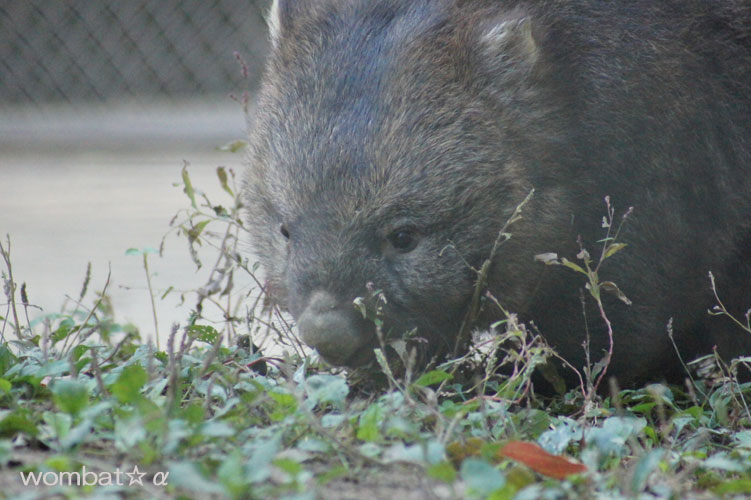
(362, 357)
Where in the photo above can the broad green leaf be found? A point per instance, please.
(18, 421)
(127, 388)
(571, 265)
(79, 351)
(743, 438)
(560, 436)
(644, 408)
(71, 396)
(613, 249)
(6, 452)
(329, 389)
(60, 423)
(333, 473)
(646, 465)
(615, 431)
(189, 476)
(289, 466)
(61, 463)
(217, 429)
(370, 419)
(193, 413)
(261, 453)
(433, 377)
(77, 434)
(195, 232)
(443, 471)
(481, 477)
(286, 405)
(735, 486)
(234, 146)
(431, 452)
(65, 328)
(723, 461)
(232, 475)
(7, 359)
(203, 333)
(188, 187)
(221, 172)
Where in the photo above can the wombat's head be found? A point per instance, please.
(385, 150)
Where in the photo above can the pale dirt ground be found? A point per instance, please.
(67, 210)
(84, 186)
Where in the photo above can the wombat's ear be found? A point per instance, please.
(274, 20)
(507, 43)
(281, 15)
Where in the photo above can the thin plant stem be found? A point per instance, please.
(151, 297)
(11, 288)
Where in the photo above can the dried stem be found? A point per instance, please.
(151, 296)
(483, 273)
(10, 290)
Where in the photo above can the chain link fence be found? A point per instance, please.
(92, 51)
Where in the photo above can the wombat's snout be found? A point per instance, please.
(334, 329)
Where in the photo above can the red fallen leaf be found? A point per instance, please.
(539, 460)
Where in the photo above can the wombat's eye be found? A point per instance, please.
(403, 240)
(284, 231)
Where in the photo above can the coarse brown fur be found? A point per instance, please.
(426, 122)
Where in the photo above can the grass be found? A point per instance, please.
(239, 409)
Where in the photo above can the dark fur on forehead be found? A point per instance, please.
(300, 34)
(334, 103)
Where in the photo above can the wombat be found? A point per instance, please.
(394, 138)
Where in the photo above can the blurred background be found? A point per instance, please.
(101, 104)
